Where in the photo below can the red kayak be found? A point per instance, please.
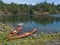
(24, 34)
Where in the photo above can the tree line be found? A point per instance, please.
(13, 8)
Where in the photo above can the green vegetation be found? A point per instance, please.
(38, 39)
(40, 8)
(5, 27)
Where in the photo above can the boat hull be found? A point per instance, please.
(24, 35)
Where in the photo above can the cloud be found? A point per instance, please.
(31, 1)
(23, 1)
(26, 1)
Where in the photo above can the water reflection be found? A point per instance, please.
(43, 23)
(27, 18)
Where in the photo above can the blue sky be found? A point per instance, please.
(31, 1)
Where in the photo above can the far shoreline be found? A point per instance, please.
(44, 13)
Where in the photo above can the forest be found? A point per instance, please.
(39, 8)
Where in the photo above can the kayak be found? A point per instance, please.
(24, 34)
(14, 32)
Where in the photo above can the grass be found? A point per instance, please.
(38, 39)
(5, 27)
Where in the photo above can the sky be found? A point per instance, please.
(33, 2)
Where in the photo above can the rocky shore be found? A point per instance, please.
(4, 27)
(54, 42)
(38, 39)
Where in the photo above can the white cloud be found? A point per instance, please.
(23, 1)
(30, 1)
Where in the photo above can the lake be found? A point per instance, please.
(44, 23)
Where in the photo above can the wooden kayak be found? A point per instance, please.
(24, 34)
(15, 31)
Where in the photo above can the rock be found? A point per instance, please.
(4, 27)
(54, 42)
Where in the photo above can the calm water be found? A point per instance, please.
(49, 24)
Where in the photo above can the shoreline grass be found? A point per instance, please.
(38, 39)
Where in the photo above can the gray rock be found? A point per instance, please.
(54, 42)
